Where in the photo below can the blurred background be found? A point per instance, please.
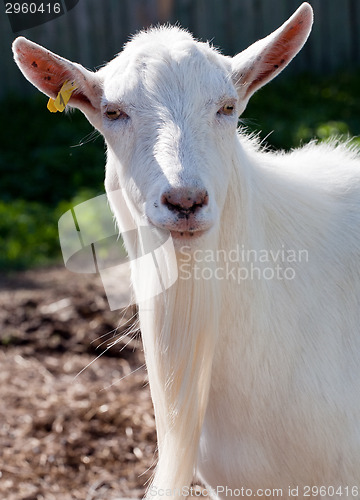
(72, 434)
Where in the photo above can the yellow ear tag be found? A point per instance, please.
(59, 104)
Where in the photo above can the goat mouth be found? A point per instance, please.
(184, 235)
(183, 230)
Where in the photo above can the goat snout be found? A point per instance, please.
(184, 201)
(184, 211)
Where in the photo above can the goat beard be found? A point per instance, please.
(179, 331)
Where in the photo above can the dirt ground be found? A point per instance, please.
(76, 420)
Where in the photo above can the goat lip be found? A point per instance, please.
(182, 231)
(184, 235)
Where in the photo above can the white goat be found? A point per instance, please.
(254, 374)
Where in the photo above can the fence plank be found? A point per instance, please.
(354, 24)
(243, 31)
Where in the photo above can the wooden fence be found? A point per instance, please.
(94, 30)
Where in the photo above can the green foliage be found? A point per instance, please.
(28, 234)
(44, 171)
(292, 111)
(29, 231)
(40, 156)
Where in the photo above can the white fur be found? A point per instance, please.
(255, 382)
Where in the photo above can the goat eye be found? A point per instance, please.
(115, 114)
(227, 109)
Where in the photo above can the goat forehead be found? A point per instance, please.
(167, 69)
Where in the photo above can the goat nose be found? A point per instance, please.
(184, 200)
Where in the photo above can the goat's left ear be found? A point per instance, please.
(263, 60)
(48, 72)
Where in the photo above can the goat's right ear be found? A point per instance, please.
(48, 72)
(263, 60)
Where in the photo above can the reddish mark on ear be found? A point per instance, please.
(281, 62)
(34, 64)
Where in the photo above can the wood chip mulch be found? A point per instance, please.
(71, 426)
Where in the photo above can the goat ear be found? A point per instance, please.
(48, 72)
(263, 60)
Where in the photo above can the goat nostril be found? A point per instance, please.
(185, 203)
